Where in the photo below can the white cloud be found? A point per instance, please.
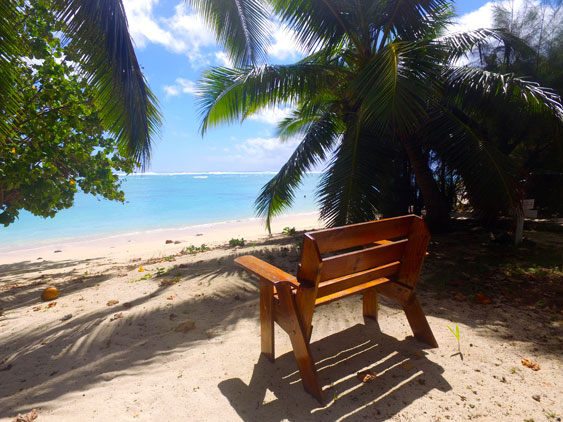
(171, 90)
(264, 147)
(483, 17)
(223, 59)
(184, 32)
(271, 116)
(182, 86)
(284, 45)
(144, 27)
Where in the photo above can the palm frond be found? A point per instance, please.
(279, 193)
(304, 116)
(241, 26)
(318, 23)
(98, 32)
(230, 95)
(349, 191)
(489, 176)
(467, 84)
(11, 49)
(407, 19)
(463, 43)
(397, 83)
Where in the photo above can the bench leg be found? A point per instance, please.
(267, 319)
(418, 322)
(370, 304)
(294, 328)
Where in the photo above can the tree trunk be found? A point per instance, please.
(437, 208)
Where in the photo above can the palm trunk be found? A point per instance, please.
(437, 208)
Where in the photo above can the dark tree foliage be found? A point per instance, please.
(537, 148)
(56, 142)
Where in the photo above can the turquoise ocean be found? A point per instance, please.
(154, 201)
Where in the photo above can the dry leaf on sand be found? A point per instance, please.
(28, 417)
(529, 364)
(482, 299)
(112, 302)
(184, 327)
(366, 377)
(170, 297)
(50, 305)
(116, 316)
(37, 308)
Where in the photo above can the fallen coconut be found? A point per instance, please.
(50, 293)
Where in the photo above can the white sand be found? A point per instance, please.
(152, 243)
(128, 363)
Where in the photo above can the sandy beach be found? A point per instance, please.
(152, 243)
(180, 340)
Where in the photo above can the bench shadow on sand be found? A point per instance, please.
(276, 393)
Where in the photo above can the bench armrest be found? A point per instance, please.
(264, 270)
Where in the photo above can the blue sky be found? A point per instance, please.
(174, 47)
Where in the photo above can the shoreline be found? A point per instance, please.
(152, 242)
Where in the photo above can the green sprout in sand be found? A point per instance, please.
(457, 336)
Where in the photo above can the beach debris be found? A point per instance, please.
(168, 241)
(366, 376)
(127, 304)
(177, 242)
(57, 251)
(536, 397)
(112, 302)
(199, 234)
(66, 317)
(171, 297)
(534, 366)
(37, 308)
(481, 299)
(28, 417)
(116, 316)
(184, 327)
(141, 269)
(52, 304)
(50, 293)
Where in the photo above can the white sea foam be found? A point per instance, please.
(149, 173)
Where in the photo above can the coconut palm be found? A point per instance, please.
(379, 82)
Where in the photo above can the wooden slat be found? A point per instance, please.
(353, 262)
(345, 282)
(396, 291)
(264, 270)
(357, 289)
(339, 238)
(267, 318)
(414, 253)
(308, 276)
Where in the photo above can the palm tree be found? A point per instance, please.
(379, 82)
(97, 30)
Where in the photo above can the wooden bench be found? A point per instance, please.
(378, 257)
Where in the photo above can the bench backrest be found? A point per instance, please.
(343, 257)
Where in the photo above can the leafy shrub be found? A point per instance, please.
(236, 242)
